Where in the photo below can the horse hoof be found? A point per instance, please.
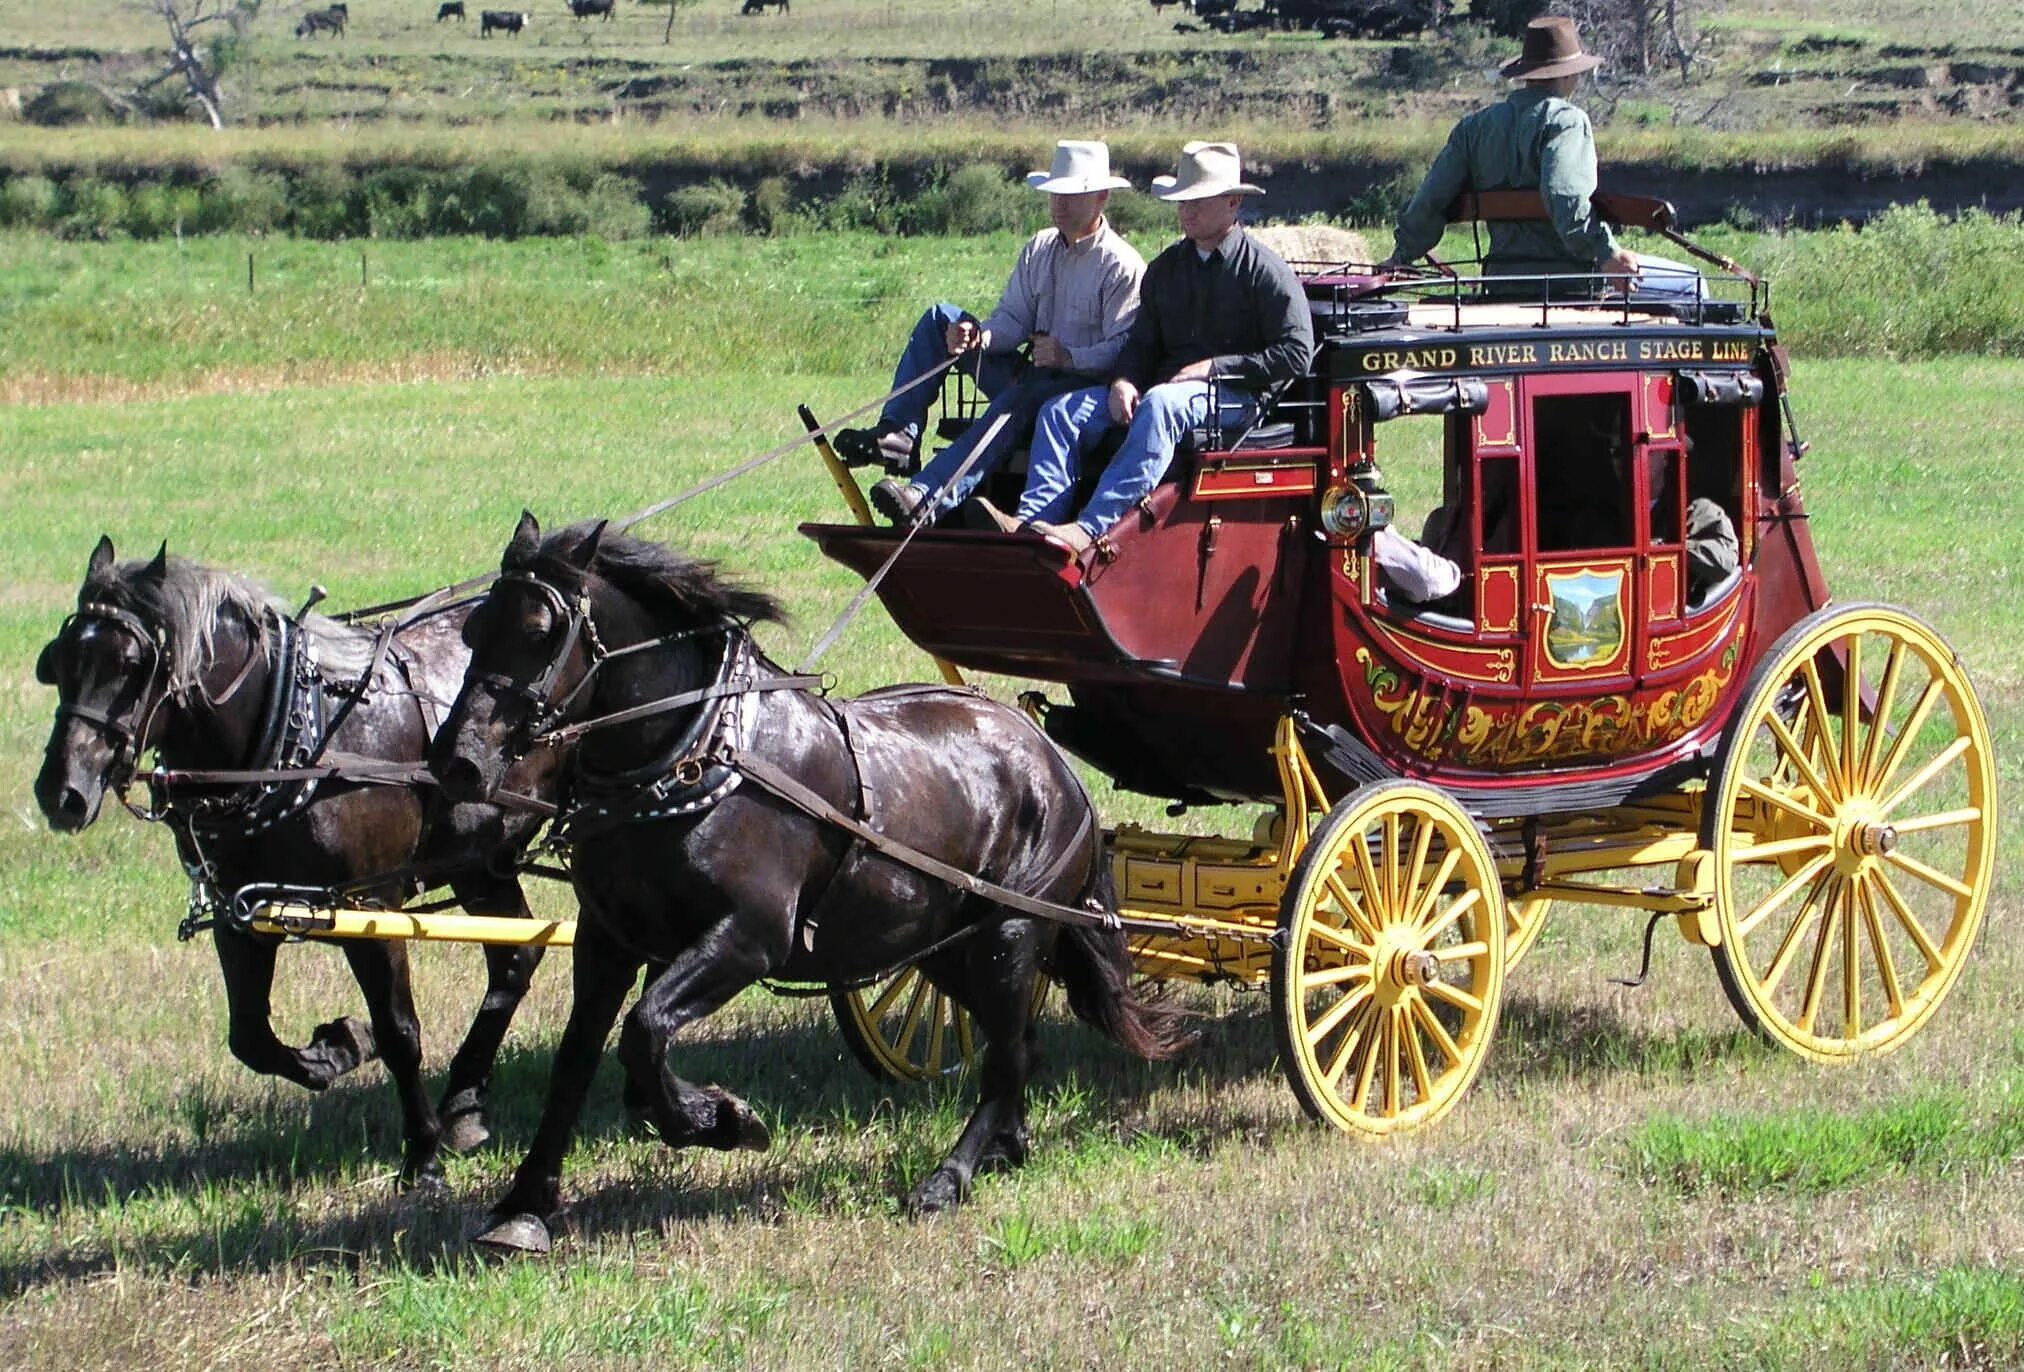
(746, 1130)
(515, 1236)
(349, 1039)
(941, 1192)
(466, 1133)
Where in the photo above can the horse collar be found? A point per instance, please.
(292, 734)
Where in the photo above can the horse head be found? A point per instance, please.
(568, 626)
(132, 660)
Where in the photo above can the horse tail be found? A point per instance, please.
(1094, 967)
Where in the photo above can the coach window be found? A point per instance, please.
(1580, 447)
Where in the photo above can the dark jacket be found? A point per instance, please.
(1243, 308)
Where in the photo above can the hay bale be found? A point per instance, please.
(1315, 243)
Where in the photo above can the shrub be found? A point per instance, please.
(241, 200)
(64, 103)
(973, 199)
(91, 209)
(398, 202)
(1138, 216)
(325, 202)
(159, 210)
(29, 202)
(715, 207)
(613, 208)
(770, 207)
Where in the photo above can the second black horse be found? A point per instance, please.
(699, 838)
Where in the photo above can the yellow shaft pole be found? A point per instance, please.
(417, 928)
(846, 485)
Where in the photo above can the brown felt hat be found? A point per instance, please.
(1552, 48)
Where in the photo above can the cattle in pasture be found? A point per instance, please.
(505, 21)
(450, 9)
(759, 6)
(331, 21)
(584, 9)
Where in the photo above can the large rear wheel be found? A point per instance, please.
(1390, 962)
(1852, 820)
(906, 1029)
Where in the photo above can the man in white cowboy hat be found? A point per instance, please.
(1534, 140)
(1216, 306)
(1072, 294)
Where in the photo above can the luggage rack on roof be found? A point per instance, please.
(1351, 304)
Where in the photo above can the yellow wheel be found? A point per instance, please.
(1852, 820)
(906, 1029)
(1523, 919)
(1389, 963)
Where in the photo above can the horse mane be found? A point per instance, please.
(658, 575)
(188, 601)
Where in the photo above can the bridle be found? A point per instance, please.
(128, 730)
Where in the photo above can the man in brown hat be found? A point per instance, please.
(1534, 140)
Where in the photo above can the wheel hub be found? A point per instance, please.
(1402, 966)
(1860, 837)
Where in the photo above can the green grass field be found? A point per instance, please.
(1632, 1182)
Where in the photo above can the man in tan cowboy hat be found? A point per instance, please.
(1537, 140)
(1216, 305)
(1073, 293)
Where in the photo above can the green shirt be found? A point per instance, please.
(1532, 140)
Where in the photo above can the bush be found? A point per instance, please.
(716, 207)
(325, 202)
(29, 202)
(973, 199)
(398, 202)
(64, 103)
(770, 208)
(241, 200)
(1141, 218)
(91, 209)
(160, 210)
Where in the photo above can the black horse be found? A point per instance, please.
(688, 848)
(213, 674)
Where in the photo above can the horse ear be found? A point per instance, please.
(45, 665)
(101, 557)
(526, 539)
(585, 551)
(158, 570)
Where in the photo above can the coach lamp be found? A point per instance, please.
(1358, 507)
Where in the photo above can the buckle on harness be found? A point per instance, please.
(688, 771)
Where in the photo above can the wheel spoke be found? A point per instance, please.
(1354, 1039)
(1464, 903)
(1423, 836)
(1782, 960)
(1341, 1010)
(1946, 819)
(1366, 876)
(1851, 709)
(1352, 908)
(1796, 754)
(1328, 933)
(938, 1023)
(904, 981)
(1886, 966)
(1436, 1031)
(1393, 902)
(1903, 742)
(1927, 874)
(1905, 917)
(912, 1024)
(1816, 696)
(1335, 976)
(1748, 924)
(1764, 852)
(1367, 1068)
(1416, 1055)
(1786, 803)
(1388, 1044)
(1816, 975)
(1851, 968)
(1424, 907)
(1886, 697)
(966, 1041)
(1464, 952)
(1454, 995)
(1917, 780)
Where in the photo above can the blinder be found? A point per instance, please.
(574, 615)
(127, 730)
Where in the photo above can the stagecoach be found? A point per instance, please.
(1804, 786)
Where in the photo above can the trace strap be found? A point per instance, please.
(815, 807)
(569, 733)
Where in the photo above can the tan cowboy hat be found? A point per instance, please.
(1205, 169)
(1079, 168)
(1552, 48)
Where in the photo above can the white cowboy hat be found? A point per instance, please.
(1205, 169)
(1079, 168)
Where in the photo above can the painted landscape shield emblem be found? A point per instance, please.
(1587, 625)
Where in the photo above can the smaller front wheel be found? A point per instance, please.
(1390, 961)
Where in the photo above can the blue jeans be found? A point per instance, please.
(928, 347)
(1664, 278)
(1071, 426)
(1020, 403)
